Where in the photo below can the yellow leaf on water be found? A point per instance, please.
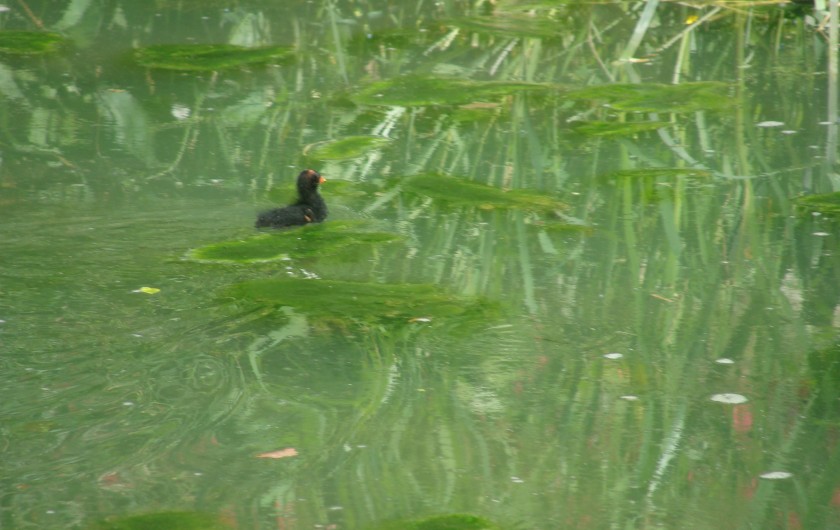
(147, 290)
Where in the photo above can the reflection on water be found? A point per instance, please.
(568, 280)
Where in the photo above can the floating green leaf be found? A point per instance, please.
(344, 148)
(420, 91)
(616, 128)
(368, 302)
(307, 241)
(824, 203)
(29, 42)
(206, 57)
(652, 97)
(463, 191)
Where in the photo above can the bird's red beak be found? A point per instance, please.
(322, 180)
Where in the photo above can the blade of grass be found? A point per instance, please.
(641, 28)
(831, 141)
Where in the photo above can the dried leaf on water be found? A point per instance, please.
(729, 399)
(776, 475)
(280, 453)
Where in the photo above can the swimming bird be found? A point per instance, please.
(309, 208)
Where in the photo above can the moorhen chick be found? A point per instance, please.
(309, 208)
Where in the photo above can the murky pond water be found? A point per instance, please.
(580, 268)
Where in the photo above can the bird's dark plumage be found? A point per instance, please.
(309, 208)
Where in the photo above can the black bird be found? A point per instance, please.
(309, 208)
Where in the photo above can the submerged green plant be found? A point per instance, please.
(307, 241)
(512, 23)
(653, 97)
(421, 91)
(29, 42)
(441, 522)
(345, 148)
(358, 301)
(824, 203)
(463, 191)
(660, 172)
(163, 521)
(617, 128)
(206, 57)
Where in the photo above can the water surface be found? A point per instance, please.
(567, 281)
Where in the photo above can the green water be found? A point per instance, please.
(556, 232)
